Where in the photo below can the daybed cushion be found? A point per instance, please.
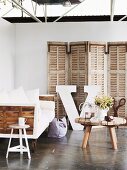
(47, 114)
(33, 95)
(47, 109)
(47, 105)
(18, 96)
(4, 97)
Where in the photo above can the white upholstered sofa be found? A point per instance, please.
(38, 110)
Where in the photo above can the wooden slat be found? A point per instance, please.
(47, 97)
(117, 73)
(97, 65)
(57, 70)
(78, 69)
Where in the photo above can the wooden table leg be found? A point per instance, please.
(86, 136)
(113, 136)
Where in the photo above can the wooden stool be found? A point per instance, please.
(19, 148)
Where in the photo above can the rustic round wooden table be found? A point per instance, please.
(110, 125)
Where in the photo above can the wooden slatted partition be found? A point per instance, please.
(78, 69)
(117, 73)
(88, 63)
(97, 71)
(9, 115)
(57, 71)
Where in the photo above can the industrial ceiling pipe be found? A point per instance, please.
(27, 12)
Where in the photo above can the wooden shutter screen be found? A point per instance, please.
(117, 73)
(87, 64)
(97, 66)
(78, 69)
(57, 71)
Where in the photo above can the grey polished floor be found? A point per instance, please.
(67, 154)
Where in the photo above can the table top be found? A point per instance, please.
(17, 126)
(115, 122)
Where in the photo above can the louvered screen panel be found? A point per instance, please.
(57, 71)
(112, 90)
(97, 66)
(121, 80)
(59, 109)
(78, 69)
(52, 78)
(117, 73)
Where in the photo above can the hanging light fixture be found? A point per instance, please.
(67, 3)
(3, 1)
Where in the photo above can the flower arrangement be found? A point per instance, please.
(104, 102)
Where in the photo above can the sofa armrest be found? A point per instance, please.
(47, 97)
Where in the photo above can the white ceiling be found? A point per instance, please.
(86, 8)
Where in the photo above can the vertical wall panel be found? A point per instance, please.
(57, 71)
(117, 73)
(78, 69)
(97, 74)
(88, 64)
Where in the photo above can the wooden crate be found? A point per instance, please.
(9, 115)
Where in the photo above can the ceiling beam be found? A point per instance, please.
(123, 18)
(45, 12)
(65, 19)
(7, 12)
(25, 10)
(69, 11)
(112, 9)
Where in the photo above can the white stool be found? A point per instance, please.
(19, 148)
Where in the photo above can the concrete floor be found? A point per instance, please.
(67, 154)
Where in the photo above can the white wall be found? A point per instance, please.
(31, 45)
(7, 52)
